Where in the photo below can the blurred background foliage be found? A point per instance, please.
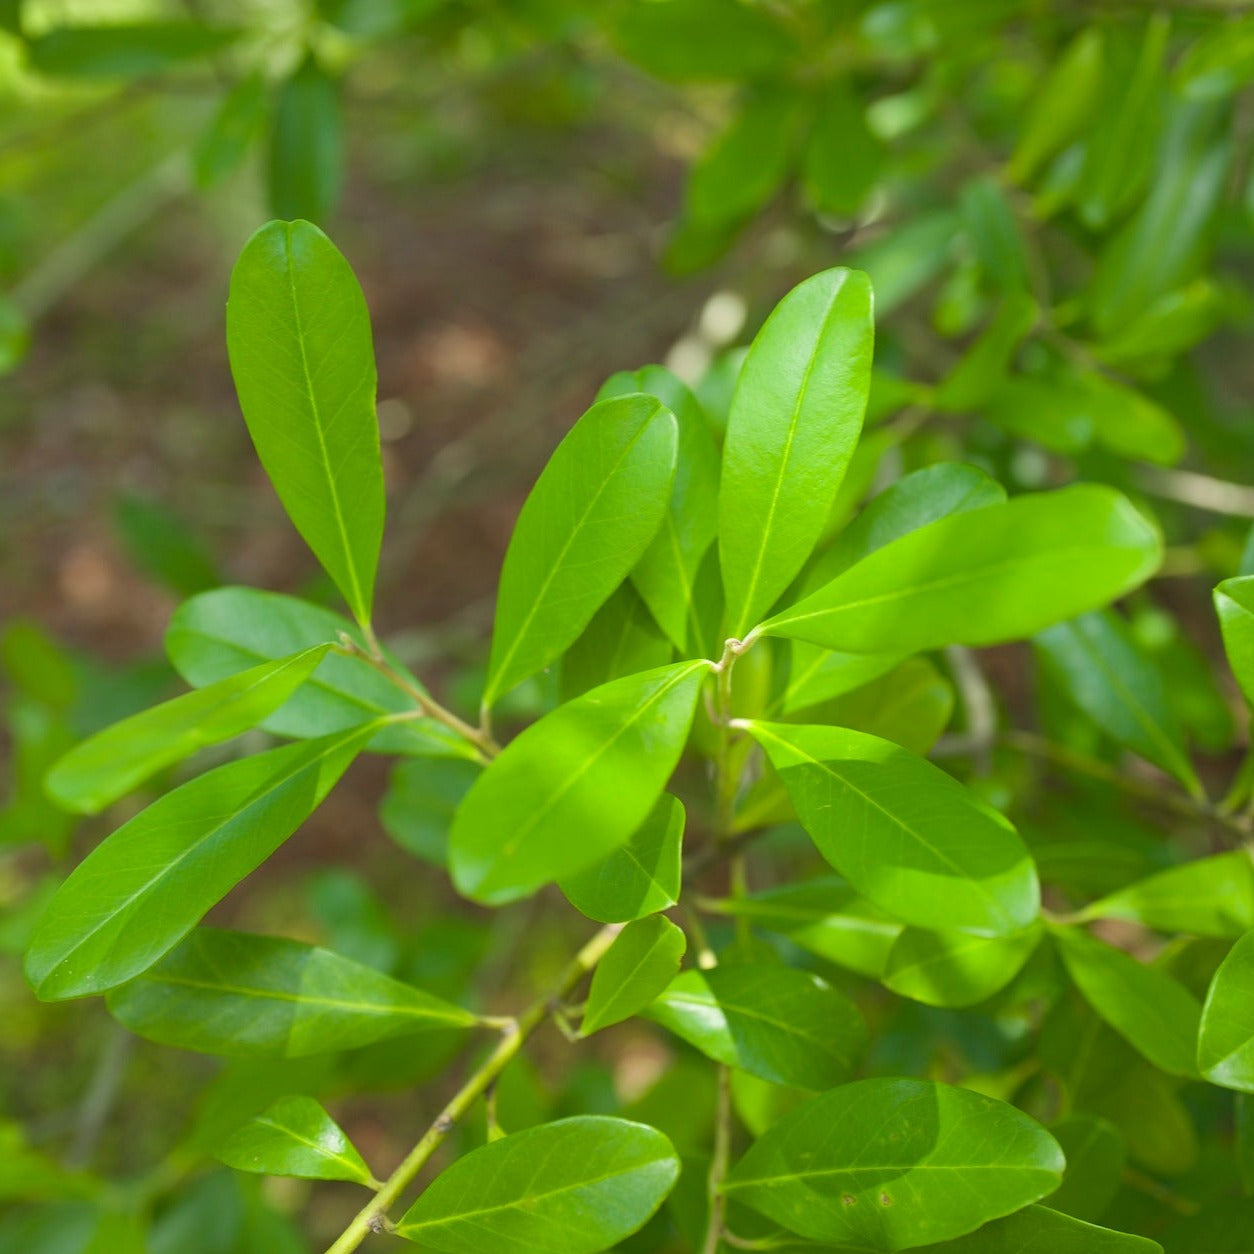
(1054, 201)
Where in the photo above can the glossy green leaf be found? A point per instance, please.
(905, 834)
(795, 418)
(245, 996)
(956, 968)
(641, 962)
(1225, 1046)
(1234, 603)
(666, 572)
(983, 576)
(1208, 897)
(775, 1022)
(422, 796)
(1038, 1228)
(592, 513)
(1096, 1157)
(140, 891)
(640, 877)
(232, 130)
(113, 762)
(890, 1164)
(826, 917)
(574, 786)
(295, 1137)
(220, 633)
(298, 334)
(1099, 665)
(125, 50)
(843, 157)
(576, 1186)
(307, 146)
(623, 638)
(1154, 1013)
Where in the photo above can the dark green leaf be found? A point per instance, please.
(588, 520)
(623, 638)
(422, 797)
(301, 354)
(163, 546)
(1225, 1047)
(902, 832)
(576, 1186)
(995, 237)
(983, 576)
(640, 963)
(113, 762)
(639, 878)
(575, 785)
(137, 894)
(245, 996)
(795, 419)
(295, 1137)
(1095, 1163)
(1038, 1228)
(775, 1022)
(129, 50)
(307, 147)
(889, 1164)
(843, 158)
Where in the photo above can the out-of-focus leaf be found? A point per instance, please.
(640, 963)
(163, 546)
(905, 261)
(843, 158)
(983, 367)
(232, 131)
(422, 797)
(1219, 62)
(1044, 1228)
(14, 335)
(307, 146)
(129, 50)
(994, 234)
(1096, 1157)
(1169, 325)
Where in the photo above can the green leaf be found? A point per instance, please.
(113, 762)
(589, 518)
(982, 368)
(640, 877)
(1225, 1046)
(1234, 603)
(1040, 1228)
(129, 50)
(574, 786)
(1154, 1013)
(666, 572)
(295, 1137)
(955, 968)
(984, 576)
(575, 1186)
(1096, 1158)
(298, 334)
(14, 335)
(640, 963)
(161, 544)
(996, 240)
(795, 418)
(1063, 108)
(1221, 61)
(422, 797)
(245, 996)
(623, 638)
(825, 917)
(902, 832)
(1099, 665)
(775, 1022)
(843, 158)
(220, 633)
(889, 1164)
(140, 891)
(232, 130)
(307, 147)
(1207, 897)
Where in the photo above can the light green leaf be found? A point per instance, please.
(1099, 665)
(223, 144)
(220, 633)
(1219, 62)
(1207, 897)
(125, 50)
(775, 1022)
(795, 418)
(295, 1137)
(1154, 1013)
(298, 334)
(902, 832)
(1096, 1158)
(1040, 1228)
(665, 574)
(984, 576)
(982, 368)
(245, 996)
(1225, 1046)
(113, 762)
(640, 963)
(589, 518)
(955, 968)
(889, 1164)
(1234, 603)
(638, 878)
(140, 891)
(307, 146)
(575, 1186)
(574, 786)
